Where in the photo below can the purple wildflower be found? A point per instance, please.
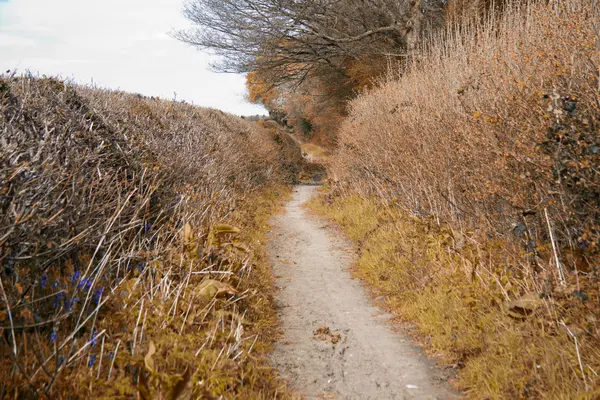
(69, 305)
(59, 296)
(85, 284)
(98, 294)
(75, 277)
(94, 339)
(92, 361)
(53, 335)
(43, 281)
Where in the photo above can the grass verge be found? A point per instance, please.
(469, 307)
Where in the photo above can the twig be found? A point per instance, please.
(561, 275)
(578, 355)
(12, 328)
(114, 358)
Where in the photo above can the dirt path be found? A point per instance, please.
(358, 356)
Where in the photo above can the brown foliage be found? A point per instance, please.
(492, 134)
(110, 210)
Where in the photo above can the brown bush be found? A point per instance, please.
(111, 206)
(492, 134)
(492, 128)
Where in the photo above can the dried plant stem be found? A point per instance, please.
(136, 328)
(85, 346)
(578, 355)
(101, 355)
(10, 318)
(114, 358)
(561, 275)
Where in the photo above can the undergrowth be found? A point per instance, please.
(504, 346)
(470, 180)
(130, 240)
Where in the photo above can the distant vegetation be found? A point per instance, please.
(307, 59)
(129, 232)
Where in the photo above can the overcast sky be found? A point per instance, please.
(120, 44)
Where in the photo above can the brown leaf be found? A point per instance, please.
(148, 361)
(188, 234)
(181, 389)
(524, 306)
(223, 229)
(210, 288)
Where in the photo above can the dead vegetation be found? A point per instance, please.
(130, 244)
(470, 183)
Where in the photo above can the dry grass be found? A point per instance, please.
(112, 244)
(470, 181)
(461, 308)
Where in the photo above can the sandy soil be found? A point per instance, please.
(336, 343)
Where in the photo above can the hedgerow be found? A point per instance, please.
(130, 233)
(470, 179)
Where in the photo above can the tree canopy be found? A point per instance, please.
(292, 39)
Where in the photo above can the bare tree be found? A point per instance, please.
(291, 39)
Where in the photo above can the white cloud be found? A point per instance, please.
(119, 44)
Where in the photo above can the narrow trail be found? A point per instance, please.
(358, 356)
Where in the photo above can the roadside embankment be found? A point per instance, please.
(469, 183)
(131, 240)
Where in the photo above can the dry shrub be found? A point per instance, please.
(113, 246)
(491, 133)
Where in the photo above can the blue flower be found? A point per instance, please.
(69, 305)
(98, 294)
(92, 361)
(85, 284)
(53, 335)
(59, 296)
(94, 339)
(43, 281)
(75, 277)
